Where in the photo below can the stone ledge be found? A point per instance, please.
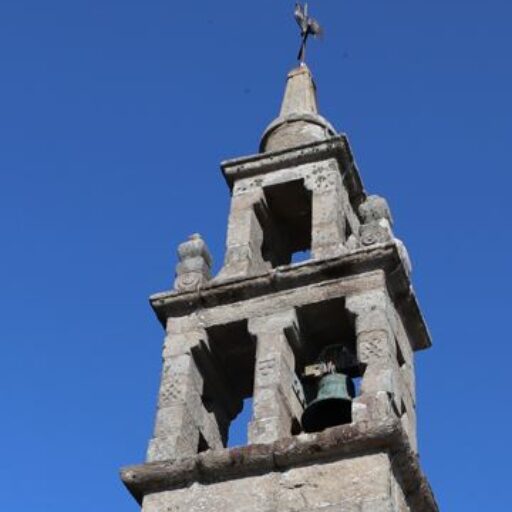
(332, 444)
(379, 257)
(335, 147)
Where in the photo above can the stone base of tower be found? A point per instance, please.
(364, 467)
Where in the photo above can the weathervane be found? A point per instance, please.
(308, 26)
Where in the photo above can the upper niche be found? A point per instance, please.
(286, 221)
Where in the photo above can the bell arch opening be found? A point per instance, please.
(285, 219)
(328, 368)
(233, 351)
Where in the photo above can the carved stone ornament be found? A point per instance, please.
(195, 261)
(375, 208)
(374, 233)
(376, 218)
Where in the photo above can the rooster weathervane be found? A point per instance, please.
(308, 26)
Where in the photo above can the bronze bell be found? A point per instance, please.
(332, 405)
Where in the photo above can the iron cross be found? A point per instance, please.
(308, 26)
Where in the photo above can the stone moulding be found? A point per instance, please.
(336, 147)
(383, 257)
(288, 119)
(333, 444)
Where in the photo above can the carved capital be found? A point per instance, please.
(274, 323)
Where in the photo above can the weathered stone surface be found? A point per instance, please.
(299, 121)
(346, 466)
(271, 317)
(328, 233)
(193, 269)
(375, 208)
(295, 277)
(254, 219)
(244, 237)
(387, 368)
(275, 405)
(179, 407)
(262, 164)
(259, 165)
(374, 233)
(247, 495)
(404, 256)
(376, 221)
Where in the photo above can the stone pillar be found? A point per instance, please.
(244, 236)
(375, 344)
(275, 404)
(181, 417)
(383, 383)
(327, 219)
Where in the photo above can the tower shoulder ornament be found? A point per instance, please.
(376, 227)
(377, 221)
(194, 267)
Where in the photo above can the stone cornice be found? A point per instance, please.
(383, 257)
(336, 147)
(332, 444)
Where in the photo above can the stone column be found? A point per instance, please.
(244, 236)
(327, 220)
(376, 347)
(275, 404)
(181, 417)
(384, 390)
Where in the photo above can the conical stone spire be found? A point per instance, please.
(299, 121)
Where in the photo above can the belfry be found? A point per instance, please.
(323, 346)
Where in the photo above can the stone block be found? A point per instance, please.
(182, 344)
(374, 407)
(173, 438)
(349, 485)
(182, 324)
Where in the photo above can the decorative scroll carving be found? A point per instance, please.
(377, 221)
(193, 270)
(373, 233)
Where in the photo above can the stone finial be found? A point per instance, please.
(376, 227)
(375, 208)
(193, 269)
(376, 221)
(299, 121)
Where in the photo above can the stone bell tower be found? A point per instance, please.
(325, 346)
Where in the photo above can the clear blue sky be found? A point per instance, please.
(114, 115)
